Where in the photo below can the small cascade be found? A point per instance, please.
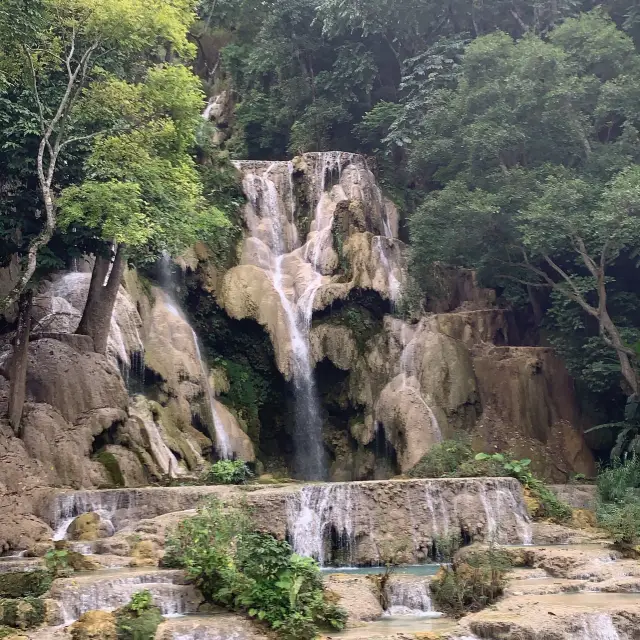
(217, 430)
(408, 598)
(68, 506)
(393, 283)
(439, 510)
(498, 502)
(87, 593)
(317, 512)
(597, 626)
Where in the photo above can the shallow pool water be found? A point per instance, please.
(391, 625)
(410, 569)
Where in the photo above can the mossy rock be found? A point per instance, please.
(22, 613)
(145, 554)
(110, 463)
(95, 625)
(138, 626)
(24, 584)
(85, 528)
(11, 634)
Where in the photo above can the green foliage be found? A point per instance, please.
(454, 458)
(445, 547)
(253, 572)
(23, 584)
(228, 472)
(618, 507)
(22, 613)
(57, 561)
(472, 585)
(139, 619)
(442, 459)
(550, 506)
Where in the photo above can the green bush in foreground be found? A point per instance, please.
(618, 508)
(472, 585)
(23, 584)
(139, 619)
(228, 472)
(240, 569)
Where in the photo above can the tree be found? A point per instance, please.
(143, 193)
(53, 50)
(532, 154)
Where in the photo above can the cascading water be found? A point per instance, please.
(314, 513)
(68, 506)
(299, 271)
(219, 434)
(408, 598)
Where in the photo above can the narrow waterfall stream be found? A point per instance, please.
(299, 267)
(216, 427)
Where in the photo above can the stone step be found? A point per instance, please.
(223, 626)
(363, 515)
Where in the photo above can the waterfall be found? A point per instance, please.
(218, 434)
(299, 271)
(596, 627)
(164, 457)
(408, 598)
(266, 207)
(314, 512)
(68, 506)
(495, 504)
(89, 593)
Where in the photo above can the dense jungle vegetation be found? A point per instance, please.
(506, 130)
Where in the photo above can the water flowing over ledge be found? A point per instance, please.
(353, 523)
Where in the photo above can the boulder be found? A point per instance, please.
(88, 527)
(95, 625)
(75, 384)
(357, 595)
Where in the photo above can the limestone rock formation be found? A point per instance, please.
(530, 409)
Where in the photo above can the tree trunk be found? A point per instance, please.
(626, 366)
(19, 362)
(96, 317)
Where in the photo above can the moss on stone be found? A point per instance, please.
(110, 463)
(22, 613)
(23, 584)
(140, 625)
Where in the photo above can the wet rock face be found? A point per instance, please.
(529, 408)
(356, 523)
(358, 596)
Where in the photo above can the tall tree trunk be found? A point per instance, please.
(611, 333)
(96, 317)
(20, 361)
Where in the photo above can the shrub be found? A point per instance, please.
(445, 547)
(442, 459)
(618, 508)
(472, 585)
(228, 472)
(550, 506)
(22, 584)
(57, 561)
(619, 480)
(139, 619)
(253, 572)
